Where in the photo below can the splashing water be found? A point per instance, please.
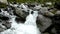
(31, 18)
(29, 27)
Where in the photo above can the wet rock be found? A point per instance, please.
(37, 7)
(4, 18)
(44, 11)
(21, 13)
(19, 19)
(45, 21)
(58, 12)
(2, 27)
(7, 24)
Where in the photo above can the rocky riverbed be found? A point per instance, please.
(44, 21)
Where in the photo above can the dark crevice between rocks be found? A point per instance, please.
(4, 18)
(49, 28)
(0, 10)
(29, 5)
(19, 19)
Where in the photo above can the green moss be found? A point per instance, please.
(31, 1)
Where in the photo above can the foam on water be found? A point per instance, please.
(29, 27)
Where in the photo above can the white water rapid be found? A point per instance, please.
(29, 27)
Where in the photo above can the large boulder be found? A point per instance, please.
(43, 22)
(21, 14)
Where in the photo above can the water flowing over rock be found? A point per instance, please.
(22, 19)
(27, 28)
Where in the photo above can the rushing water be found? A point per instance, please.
(29, 27)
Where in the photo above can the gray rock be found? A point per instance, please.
(2, 27)
(44, 11)
(21, 13)
(58, 12)
(46, 22)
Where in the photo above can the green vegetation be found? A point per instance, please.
(30, 1)
(39, 1)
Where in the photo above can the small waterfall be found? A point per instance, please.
(31, 23)
(31, 18)
(29, 27)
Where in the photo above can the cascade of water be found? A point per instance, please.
(13, 21)
(31, 23)
(29, 27)
(31, 18)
